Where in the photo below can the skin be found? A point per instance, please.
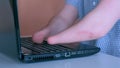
(93, 26)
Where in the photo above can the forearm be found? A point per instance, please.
(93, 26)
(58, 24)
(113, 6)
(63, 20)
(100, 21)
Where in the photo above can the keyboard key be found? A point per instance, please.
(43, 47)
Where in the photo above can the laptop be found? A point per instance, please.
(28, 51)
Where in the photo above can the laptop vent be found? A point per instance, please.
(43, 58)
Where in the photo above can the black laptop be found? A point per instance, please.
(28, 51)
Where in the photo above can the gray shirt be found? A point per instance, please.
(110, 43)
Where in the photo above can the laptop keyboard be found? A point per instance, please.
(43, 47)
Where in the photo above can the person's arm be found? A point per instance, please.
(63, 20)
(59, 23)
(95, 25)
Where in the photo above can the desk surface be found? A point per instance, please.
(99, 60)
